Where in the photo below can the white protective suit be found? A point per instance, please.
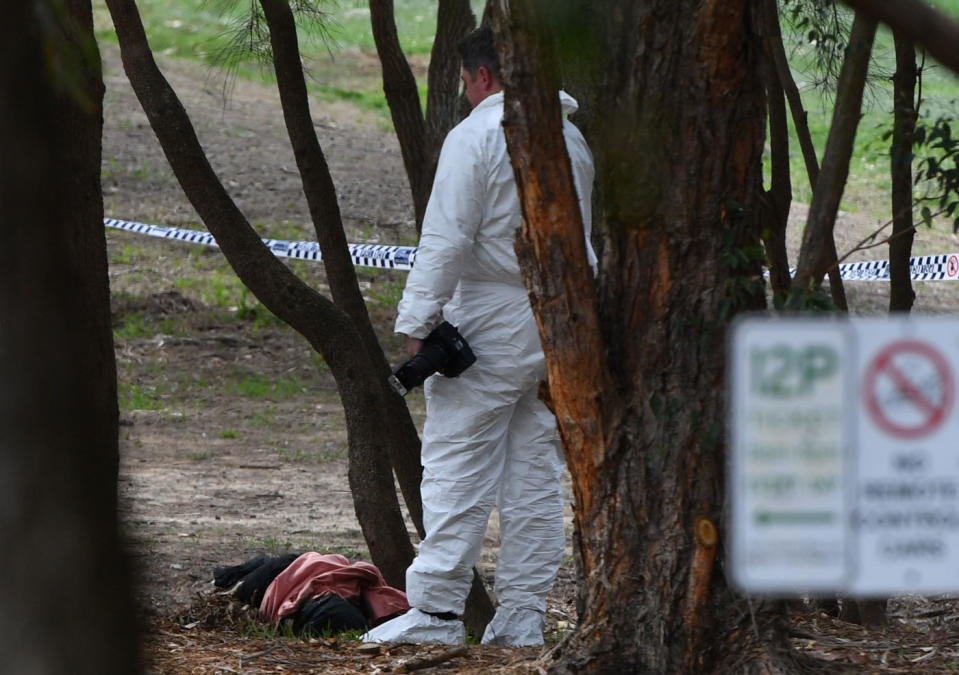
(487, 438)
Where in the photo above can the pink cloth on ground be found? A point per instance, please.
(313, 574)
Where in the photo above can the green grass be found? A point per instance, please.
(264, 418)
(132, 397)
(135, 326)
(197, 30)
(256, 386)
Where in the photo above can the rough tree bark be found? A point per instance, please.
(420, 139)
(633, 372)
(328, 329)
(901, 294)
(67, 598)
(818, 251)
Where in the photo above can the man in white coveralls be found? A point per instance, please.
(487, 439)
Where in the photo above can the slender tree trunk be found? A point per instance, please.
(67, 597)
(818, 252)
(328, 329)
(420, 140)
(404, 443)
(777, 51)
(634, 376)
(454, 19)
(901, 294)
(776, 201)
(771, 29)
(403, 99)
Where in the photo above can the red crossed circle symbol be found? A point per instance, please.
(952, 266)
(907, 408)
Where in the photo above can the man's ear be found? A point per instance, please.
(483, 73)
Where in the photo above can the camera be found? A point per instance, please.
(444, 351)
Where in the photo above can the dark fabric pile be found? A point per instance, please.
(324, 615)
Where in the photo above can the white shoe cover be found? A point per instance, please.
(416, 627)
(515, 628)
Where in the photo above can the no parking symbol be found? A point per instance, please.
(908, 389)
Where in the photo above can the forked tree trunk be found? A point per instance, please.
(776, 50)
(67, 598)
(818, 253)
(674, 112)
(329, 329)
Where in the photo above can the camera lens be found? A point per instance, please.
(415, 371)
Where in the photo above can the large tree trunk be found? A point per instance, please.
(328, 328)
(818, 252)
(67, 598)
(635, 376)
(901, 295)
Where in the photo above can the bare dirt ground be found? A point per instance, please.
(232, 435)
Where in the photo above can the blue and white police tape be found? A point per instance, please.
(363, 255)
(942, 267)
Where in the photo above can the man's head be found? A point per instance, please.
(480, 65)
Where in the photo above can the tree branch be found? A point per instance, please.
(915, 20)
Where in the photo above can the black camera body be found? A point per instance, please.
(444, 351)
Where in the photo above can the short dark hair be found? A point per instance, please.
(477, 49)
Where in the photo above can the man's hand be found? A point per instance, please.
(413, 346)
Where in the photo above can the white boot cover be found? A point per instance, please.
(515, 628)
(416, 627)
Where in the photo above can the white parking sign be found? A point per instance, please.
(789, 435)
(844, 464)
